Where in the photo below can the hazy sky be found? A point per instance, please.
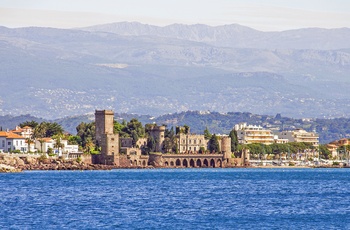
(259, 14)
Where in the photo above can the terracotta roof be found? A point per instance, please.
(3, 134)
(45, 139)
(10, 135)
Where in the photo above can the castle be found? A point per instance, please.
(192, 149)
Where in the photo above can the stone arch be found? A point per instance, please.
(178, 162)
(212, 163)
(140, 163)
(185, 163)
(199, 163)
(144, 163)
(166, 164)
(131, 163)
(191, 163)
(219, 163)
(135, 162)
(205, 163)
(172, 163)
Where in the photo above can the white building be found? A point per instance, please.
(300, 135)
(248, 134)
(25, 132)
(10, 141)
(43, 145)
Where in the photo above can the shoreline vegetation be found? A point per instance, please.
(13, 164)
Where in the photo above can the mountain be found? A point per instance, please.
(143, 69)
(236, 36)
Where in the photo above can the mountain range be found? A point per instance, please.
(137, 68)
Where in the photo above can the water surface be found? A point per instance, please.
(176, 199)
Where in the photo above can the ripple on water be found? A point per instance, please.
(173, 199)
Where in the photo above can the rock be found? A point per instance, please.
(19, 162)
(8, 168)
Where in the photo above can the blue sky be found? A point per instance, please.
(268, 15)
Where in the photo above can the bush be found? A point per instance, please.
(94, 152)
(79, 159)
(42, 158)
(335, 163)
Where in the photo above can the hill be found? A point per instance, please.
(328, 129)
(143, 69)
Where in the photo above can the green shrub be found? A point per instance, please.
(79, 159)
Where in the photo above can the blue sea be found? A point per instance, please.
(176, 199)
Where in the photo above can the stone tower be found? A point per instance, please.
(157, 132)
(106, 139)
(103, 123)
(226, 147)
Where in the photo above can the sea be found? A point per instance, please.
(176, 199)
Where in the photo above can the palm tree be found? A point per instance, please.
(58, 142)
(41, 144)
(29, 141)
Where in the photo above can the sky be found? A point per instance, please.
(264, 15)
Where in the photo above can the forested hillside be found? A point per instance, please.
(328, 129)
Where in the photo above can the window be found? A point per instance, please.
(9, 143)
(195, 149)
(195, 141)
(17, 143)
(189, 141)
(3, 143)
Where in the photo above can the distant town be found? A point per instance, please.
(132, 144)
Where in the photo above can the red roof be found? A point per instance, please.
(10, 135)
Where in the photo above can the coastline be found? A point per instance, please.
(12, 163)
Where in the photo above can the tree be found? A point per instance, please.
(234, 140)
(213, 144)
(120, 128)
(207, 134)
(151, 144)
(54, 129)
(86, 132)
(47, 129)
(58, 142)
(170, 144)
(135, 130)
(74, 140)
(187, 129)
(89, 145)
(29, 141)
(324, 152)
(39, 131)
(31, 124)
(41, 144)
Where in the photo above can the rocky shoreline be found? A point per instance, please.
(17, 164)
(10, 163)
